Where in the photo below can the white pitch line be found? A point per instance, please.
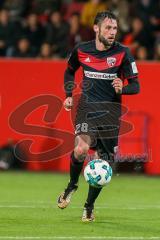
(80, 207)
(83, 237)
(49, 204)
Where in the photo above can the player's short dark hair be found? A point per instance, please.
(102, 15)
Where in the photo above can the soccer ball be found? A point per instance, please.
(98, 173)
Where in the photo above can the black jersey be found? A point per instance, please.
(100, 68)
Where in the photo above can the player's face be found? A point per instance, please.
(107, 32)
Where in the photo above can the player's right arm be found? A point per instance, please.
(69, 76)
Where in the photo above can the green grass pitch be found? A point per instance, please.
(128, 208)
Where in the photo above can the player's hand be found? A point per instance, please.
(68, 103)
(118, 85)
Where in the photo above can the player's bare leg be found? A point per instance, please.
(82, 145)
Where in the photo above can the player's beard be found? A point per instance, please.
(104, 41)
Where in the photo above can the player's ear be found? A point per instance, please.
(95, 28)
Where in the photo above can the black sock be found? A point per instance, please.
(75, 169)
(92, 196)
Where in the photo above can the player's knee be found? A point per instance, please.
(81, 151)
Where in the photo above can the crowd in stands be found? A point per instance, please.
(49, 29)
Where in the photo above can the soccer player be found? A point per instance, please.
(105, 63)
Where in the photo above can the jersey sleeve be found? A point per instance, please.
(129, 68)
(69, 75)
(73, 61)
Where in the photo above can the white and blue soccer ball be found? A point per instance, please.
(98, 173)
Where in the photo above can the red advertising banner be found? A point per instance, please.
(32, 114)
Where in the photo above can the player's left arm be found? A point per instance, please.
(129, 71)
(133, 87)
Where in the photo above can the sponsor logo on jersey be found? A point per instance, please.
(100, 75)
(134, 67)
(111, 61)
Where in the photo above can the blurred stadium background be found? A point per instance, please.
(36, 37)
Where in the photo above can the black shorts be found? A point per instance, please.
(102, 127)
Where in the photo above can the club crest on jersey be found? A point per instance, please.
(111, 61)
